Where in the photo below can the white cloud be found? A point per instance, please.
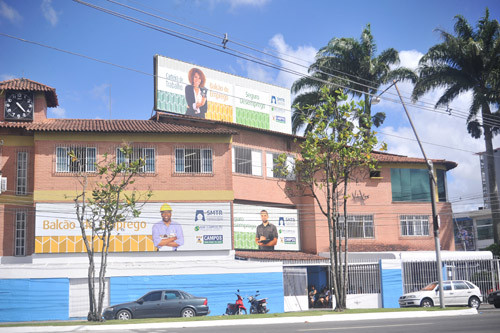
(9, 13)
(101, 93)
(240, 3)
(57, 113)
(447, 133)
(303, 56)
(5, 77)
(297, 60)
(49, 12)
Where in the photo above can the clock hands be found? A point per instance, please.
(17, 103)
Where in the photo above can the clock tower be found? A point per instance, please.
(23, 100)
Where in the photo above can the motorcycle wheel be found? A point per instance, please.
(242, 312)
(253, 311)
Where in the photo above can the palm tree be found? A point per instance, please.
(469, 61)
(351, 66)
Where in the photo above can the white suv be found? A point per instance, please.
(456, 292)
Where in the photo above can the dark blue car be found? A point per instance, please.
(158, 304)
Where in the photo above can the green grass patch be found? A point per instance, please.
(210, 318)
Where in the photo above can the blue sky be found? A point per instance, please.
(295, 28)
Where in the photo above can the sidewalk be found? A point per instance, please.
(256, 321)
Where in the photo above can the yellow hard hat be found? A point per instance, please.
(165, 207)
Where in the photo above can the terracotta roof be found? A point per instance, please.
(278, 255)
(110, 126)
(165, 116)
(393, 158)
(29, 85)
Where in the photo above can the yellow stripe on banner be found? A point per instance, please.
(152, 137)
(75, 244)
(68, 196)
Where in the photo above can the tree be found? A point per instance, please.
(352, 64)
(469, 61)
(103, 202)
(334, 153)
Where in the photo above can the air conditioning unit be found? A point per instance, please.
(3, 184)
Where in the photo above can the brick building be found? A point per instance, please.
(232, 170)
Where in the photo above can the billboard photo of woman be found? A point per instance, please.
(196, 94)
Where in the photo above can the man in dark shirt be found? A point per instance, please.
(267, 234)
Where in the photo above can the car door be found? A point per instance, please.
(447, 294)
(149, 306)
(171, 305)
(461, 292)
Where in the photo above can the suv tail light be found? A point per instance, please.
(206, 302)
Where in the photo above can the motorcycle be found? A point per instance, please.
(237, 308)
(258, 305)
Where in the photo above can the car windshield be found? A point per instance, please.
(430, 286)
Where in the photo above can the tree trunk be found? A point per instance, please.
(492, 183)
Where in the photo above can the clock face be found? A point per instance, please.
(19, 106)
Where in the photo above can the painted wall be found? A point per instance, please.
(34, 299)
(219, 289)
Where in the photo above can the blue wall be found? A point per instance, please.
(34, 299)
(392, 284)
(218, 288)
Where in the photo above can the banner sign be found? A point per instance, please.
(193, 226)
(247, 218)
(202, 92)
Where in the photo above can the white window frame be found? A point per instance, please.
(22, 173)
(255, 161)
(414, 225)
(367, 223)
(270, 165)
(202, 165)
(64, 164)
(20, 233)
(147, 153)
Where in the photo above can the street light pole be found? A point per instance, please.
(432, 183)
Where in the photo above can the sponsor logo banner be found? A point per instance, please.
(247, 219)
(57, 229)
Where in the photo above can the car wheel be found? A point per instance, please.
(188, 312)
(123, 315)
(497, 305)
(474, 302)
(242, 311)
(427, 303)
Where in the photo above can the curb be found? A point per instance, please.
(256, 321)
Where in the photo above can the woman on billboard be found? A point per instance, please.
(196, 94)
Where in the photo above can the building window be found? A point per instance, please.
(22, 173)
(273, 169)
(441, 184)
(193, 160)
(414, 225)
(247, 161)
(148, 154)
(484, 229)
(20, 236)
(84, 162)
(358, 226)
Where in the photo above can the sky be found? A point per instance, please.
(107, 69)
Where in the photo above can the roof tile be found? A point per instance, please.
(29, 85)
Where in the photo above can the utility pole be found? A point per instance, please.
(435, 222)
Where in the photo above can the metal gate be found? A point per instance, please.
(485, 273)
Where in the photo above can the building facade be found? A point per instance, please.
(217, 176)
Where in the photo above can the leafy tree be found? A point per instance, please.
(346, 62)
(469, 60)
(102, 202)
(333, 153)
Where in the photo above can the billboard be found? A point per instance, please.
(194, 226)
(202, 92)
(247, 218)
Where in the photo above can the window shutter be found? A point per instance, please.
(269, 165)
(256, 163)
